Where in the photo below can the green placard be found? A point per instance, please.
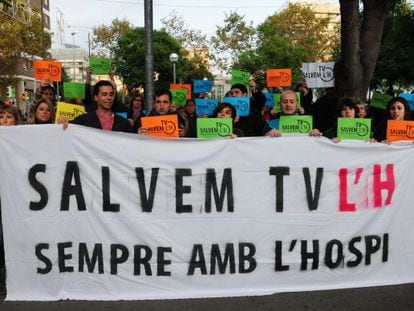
(354, 128)
(276, 98)
(380, 100)
(74, 90)
(295, 124)
(179, 97)
(238, 76)
(100, 66)
(214, 127)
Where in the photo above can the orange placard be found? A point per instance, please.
(162, 126)
(400, 130)
(47, 70)
(279, 77)
(182, 87)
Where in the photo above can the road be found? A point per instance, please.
(399, 298)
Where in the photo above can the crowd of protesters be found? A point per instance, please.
(101, 107)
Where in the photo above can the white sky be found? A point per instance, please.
(82, 15)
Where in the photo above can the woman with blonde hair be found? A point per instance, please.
(43, 112)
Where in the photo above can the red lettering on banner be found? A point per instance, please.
(388, 184)
(370, 191)
(344, 206)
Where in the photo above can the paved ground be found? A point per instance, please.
(392, 298)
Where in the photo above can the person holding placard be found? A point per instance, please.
(45, 91)
(162, 106)
(397, 109)
(253, 124)
(103, 117)
(225, 110)
(289, 107)
(348, 109)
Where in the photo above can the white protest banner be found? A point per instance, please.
(319, 75)
(96, 215)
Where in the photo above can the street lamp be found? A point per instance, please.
(174, 60)
(74, 63)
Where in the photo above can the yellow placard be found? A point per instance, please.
(68, 111)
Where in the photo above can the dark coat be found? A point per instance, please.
(91, 119)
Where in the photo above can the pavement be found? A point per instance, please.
(392, 298)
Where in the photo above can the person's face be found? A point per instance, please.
(162, 104)
(137, 102)
(288, 103)
(237, 93)
(105, 97)
(347, 112)
(48, 94)
(190, 107)
(173, 108)
(252, 86)
(397, 111)
(7, 119)
(224, 113)
(43, 113)
(362, 111)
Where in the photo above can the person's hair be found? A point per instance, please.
(161, 92)
(349, 102)
(32, 119)
(239, 86)
(101, 83)
(403, 101)
(137, 95)
(288, 92)
(47, 88)
(221, 106)
(13, 111)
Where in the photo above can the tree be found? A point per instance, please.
(360, 44)
(395, 61)
(234, 38)
(194, 43)
(104, 38)
(20, 39)
(302, 26)
(287, 39)
(129, 60)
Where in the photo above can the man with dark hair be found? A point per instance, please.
(258, 99)
(162, 106)
(103, 117)
(253, 124)
(45, 91)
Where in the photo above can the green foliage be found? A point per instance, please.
(104, 38)
(195, 48)
(129, 60)
(231, 40)
(303, 27)
(396, 58)
(21, 38)
(286, 40)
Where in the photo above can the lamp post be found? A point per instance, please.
(174, 60)
(74, 63)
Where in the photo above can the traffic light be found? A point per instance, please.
(25, 96)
